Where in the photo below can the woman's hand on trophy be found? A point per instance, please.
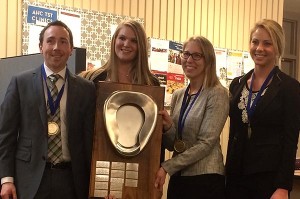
(160, 179)
(167, 120)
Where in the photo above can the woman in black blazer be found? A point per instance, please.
(264, 122)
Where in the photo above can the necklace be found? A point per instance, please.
(124, 74)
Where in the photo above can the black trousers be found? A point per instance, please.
(255, 186)
(56, 184)
(206, 186)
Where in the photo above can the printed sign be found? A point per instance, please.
(39, 15)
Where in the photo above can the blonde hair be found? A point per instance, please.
(140, 71)
(210, 76)
(276, 33)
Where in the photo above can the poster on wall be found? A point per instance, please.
(234, 63)
(248, 62)
(33, 45)
(73, 21)
(221, 64)
(165, 64)
(159, 54)
(175, 78)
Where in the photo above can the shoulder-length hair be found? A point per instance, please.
(276, 33)
(210, 76)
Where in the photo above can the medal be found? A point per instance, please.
(52, 128)
(179, 146)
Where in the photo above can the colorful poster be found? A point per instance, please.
(174, 52)
(174, 82)
(93, 64)
(234, 63)
(165, 63)
(162, 76)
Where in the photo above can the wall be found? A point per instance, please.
(225, 22)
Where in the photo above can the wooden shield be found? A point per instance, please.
(126, 177)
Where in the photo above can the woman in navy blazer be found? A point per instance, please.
(264, 122)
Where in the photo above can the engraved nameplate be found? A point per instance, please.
(118, 165)
(116, 186)
(117, 174)
(101, 178)
(100, 193)
(132, 175)
(117, 194)
(117, 180)
(101, 185)
(102, 171)
(131, 183)
(132, 166)
(103, 164)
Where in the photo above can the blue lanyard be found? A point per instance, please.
(184, 110)
(251, 109)
(53, 105)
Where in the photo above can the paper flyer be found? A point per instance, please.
(248, 62)
(234, 63)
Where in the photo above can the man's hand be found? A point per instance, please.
(8, 191)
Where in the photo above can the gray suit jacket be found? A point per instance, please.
(201, 133)
(23, 131)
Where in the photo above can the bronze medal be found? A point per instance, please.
(52, 128)
(179, 146)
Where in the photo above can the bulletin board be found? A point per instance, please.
(95, 29)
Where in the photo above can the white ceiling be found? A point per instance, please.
(291, 6)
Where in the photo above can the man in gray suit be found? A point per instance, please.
(46, 135)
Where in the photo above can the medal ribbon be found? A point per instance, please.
(251, 108)
(184, 110)
(53, 105)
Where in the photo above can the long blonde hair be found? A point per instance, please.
(140, 71)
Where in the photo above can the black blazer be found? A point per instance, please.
(275, 130)
(23, 132)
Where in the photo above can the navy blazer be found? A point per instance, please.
(275, 127)
(23, 131)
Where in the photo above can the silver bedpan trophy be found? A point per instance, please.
(130, 119)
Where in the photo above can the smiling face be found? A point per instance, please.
(262, 48)
(56, 47)
(126, 45)
(193, 69)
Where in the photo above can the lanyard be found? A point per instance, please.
(53, 105)
(184, 111)
(251, 109)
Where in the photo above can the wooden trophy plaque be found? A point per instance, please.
(127, 143)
